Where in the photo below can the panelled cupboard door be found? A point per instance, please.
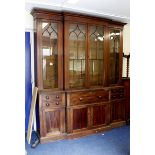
(100, 115)
(78, 118)
(50, 53)
(53, 122)
(117, 111)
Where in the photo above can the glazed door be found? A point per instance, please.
(53, 121)
(77, 55)
(116, 49)
(51, 54)
(96, 55)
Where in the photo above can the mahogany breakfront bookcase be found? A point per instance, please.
(78, 71)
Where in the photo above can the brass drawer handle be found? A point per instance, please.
(57, 103)
(81, 98)
(47, 97)
(100, 97)
(47, 104)
(57, 96)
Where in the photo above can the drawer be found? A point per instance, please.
(52, 99)
(78, 98)
(117, 90)
(50, 104)
(117, 93)
(117, 96)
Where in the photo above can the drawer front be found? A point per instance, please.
(53, 99)
(117, 93)
(78, 98)
(117, 96)
(117, 90)
(50, 104)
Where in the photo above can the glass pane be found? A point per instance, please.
(77, 52)
(96, 55)
(114, 55)
(50, 55)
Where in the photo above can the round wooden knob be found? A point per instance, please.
(47, 104)
(57, 103)
(47, 97)
(99, 96)
(57, 96)
(80, 98)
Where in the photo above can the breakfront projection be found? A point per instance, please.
(78, 71)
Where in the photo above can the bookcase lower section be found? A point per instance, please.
(78, 113)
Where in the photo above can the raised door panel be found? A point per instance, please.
(53, 121)
(100, 115)
(118, 111)
(80, 118)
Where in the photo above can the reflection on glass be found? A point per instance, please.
(96, 55)
(77, 51)
(50, 55)
(114, 55)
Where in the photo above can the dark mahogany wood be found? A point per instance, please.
(87, 97)
(117, 110)
(74, 112)
(126, 83)
(80, 119)
(53, 122)
(99, 115)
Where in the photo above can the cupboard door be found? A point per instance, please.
(51, 48)
(80, 119)
(77, 55)
(53, 121)
(115, 57)
(96, 55)
(118, 111)
(100, 115)
(77, 118)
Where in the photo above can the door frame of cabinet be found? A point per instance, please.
(120, 28)
(71, 19)
(87, 71)
(122, 101)
(90, 125)
(107, 114)
(70, 118)
(38, 53)
(43, 129)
